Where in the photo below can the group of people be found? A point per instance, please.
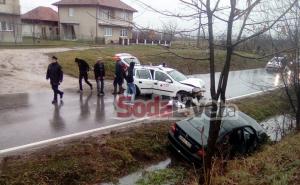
(55, 74)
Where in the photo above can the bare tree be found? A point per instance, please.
(237, 19)
(289, 28)
(238, 15)
(169, 30)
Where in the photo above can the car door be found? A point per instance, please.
(250, 139)
(144, 81)
(163, 85)
(237, 142)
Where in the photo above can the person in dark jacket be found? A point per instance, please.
(84, 68)
(99, 70)
(131, 89)
(55, 74)
(119, 77)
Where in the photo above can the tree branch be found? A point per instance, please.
(265, 29)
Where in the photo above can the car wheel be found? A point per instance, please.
(183, 98)
(138, 92)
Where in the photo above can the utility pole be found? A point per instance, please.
(97, 11)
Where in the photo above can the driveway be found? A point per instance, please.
(23, 70)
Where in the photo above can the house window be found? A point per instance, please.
(124, 33)
(125, 16)
(106, 14)
(9, 27)
(5, 26)
(71, 12)
(2, 1)
(2, 26)
(107, 32)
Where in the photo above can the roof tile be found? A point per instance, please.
(41, 13)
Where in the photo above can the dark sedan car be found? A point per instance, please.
(238, 135)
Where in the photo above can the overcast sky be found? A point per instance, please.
(144, 17)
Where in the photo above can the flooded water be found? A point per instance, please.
(134, 177)
(279, 126)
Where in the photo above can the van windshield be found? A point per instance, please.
(177, 76)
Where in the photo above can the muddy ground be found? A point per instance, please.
(24, 70)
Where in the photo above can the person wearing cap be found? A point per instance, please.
(84, 68)
(99, 71)
(55, 74)
(119, 77)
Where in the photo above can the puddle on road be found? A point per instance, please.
(278, 126)
(134, 177)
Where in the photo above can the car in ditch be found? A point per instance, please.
(239, 135)
(164, 81)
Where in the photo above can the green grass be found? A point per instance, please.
(29, 43)
(105, 158)
(274, 164)
(277, 164)
(156, 55)
(267, 105)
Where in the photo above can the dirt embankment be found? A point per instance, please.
(23, 70)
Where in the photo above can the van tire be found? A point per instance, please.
(138, 92)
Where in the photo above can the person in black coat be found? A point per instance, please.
(129, 76)
(55, 74)
(119, 77)
(84, 68)
(131, 89)
(99, 70)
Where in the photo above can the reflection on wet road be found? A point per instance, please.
(28, 118)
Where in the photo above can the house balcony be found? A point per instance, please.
(116, 23)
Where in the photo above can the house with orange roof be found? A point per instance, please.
(41, 22)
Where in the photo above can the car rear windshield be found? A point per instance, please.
(132, 59)
(177, 76)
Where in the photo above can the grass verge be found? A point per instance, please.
(28, 43)
(156, 55)
(274, 164)
(105, 158)
(89, 161)
(264, 106)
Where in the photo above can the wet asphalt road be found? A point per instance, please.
(28, 118)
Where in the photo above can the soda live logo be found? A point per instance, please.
(152, 108)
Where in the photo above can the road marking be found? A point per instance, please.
(32, 145)
(49, 141)
(252, 94)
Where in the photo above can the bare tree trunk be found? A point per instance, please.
(199, 29)
(298, 117)
(213, 123)
(216, 119)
